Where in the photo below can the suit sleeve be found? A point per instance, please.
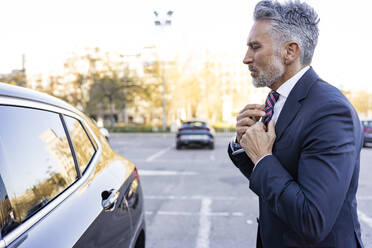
(241, 161)
(311, 203)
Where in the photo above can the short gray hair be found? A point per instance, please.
(291, 21)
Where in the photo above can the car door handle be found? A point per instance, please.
(109, 199)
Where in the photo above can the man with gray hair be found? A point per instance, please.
(302, 159)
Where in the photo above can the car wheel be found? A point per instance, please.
(140, 240)
(211, 146)
(178, 146)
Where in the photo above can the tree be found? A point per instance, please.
(360, 101)
(17, 77)
(112, 91)
(154, 71)
(100, 83)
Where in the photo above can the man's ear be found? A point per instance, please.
(291, 53)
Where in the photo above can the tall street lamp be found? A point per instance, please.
(162, 22)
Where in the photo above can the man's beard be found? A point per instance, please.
(269, 75)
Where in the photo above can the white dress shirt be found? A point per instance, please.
(283, 91)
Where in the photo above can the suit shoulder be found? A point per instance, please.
(323, 93)
(324, 99)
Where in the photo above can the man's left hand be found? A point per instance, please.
(256, 142)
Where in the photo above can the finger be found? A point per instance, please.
(252, 106)
(245, 136)
(259, 126)
(271, 127)
(247, 122)
(255, 113)
(260, 106)
(248, 106)
(241, 130)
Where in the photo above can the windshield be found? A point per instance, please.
(194, 124)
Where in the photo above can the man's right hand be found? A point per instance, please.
(247, 117)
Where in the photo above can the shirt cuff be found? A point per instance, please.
(235, 147)
(260, 160)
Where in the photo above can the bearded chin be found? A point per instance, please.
(261, 82)
(270, 76)
(258, 83)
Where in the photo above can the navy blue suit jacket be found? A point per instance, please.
(307, 188)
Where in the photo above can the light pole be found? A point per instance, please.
(162, 22)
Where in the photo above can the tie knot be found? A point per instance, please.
(271, 99)
(274, 95)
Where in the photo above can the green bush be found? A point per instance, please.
(224, 129)
(136, 129)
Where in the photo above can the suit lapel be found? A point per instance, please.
(293, 102)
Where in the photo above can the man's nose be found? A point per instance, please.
(248, 58)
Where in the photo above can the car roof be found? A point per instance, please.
(8, 90)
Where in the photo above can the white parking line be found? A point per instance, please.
(165, 173)
(249, 222)
(365, 218)
(237, 214)
(194, 197)
(175, 213)
(211, 157)
(210, 214)
(158, 154)
(366, 197)
(204, 224)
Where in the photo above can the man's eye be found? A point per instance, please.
(254, 46)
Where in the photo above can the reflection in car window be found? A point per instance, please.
(36, 163)
(83, 147)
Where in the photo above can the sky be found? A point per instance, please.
(48, 31)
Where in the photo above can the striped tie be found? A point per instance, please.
(271, 99)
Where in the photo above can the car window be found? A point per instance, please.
(36, 163)
(194, 124)
(84, 148)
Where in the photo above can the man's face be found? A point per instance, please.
(263, 56)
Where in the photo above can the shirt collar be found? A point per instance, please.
(288, 85)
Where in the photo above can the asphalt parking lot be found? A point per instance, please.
(197, 198)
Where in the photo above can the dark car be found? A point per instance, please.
(61, 184)
(367, 131)
(195, 132)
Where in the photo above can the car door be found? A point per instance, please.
(112, 225)
(52, 186)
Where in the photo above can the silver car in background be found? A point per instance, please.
(195, 133)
